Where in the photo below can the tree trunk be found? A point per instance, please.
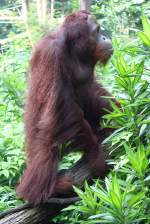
(24, 14)
(52, 9)
(26, 214)
(63, 9)
(41, 11)
(85, 4)
(43, 214)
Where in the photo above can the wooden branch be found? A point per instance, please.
(28, 214)
(78, 173)
(85, 4)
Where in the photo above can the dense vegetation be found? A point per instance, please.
(124, 196)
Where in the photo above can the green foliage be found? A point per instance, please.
(145, 35)
(69, 159)
(8, 198)
(132, 119)
(123, 15)
(118, 203)
(138, 160)
(12, 85)
(65, 7)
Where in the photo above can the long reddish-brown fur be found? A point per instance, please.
(64, 104)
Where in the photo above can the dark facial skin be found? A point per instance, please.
(103, 45)
(89, 47)
(84, 39)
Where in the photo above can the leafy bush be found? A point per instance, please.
(122, 16)
(12, 85)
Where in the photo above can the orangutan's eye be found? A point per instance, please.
(98, 28)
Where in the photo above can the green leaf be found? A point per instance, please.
(146, 25)
(69, 208)
(79, 192)
(136, 198)
(104, 197)
(140, 68)
(145, 38)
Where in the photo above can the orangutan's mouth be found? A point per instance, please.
(108, 49)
